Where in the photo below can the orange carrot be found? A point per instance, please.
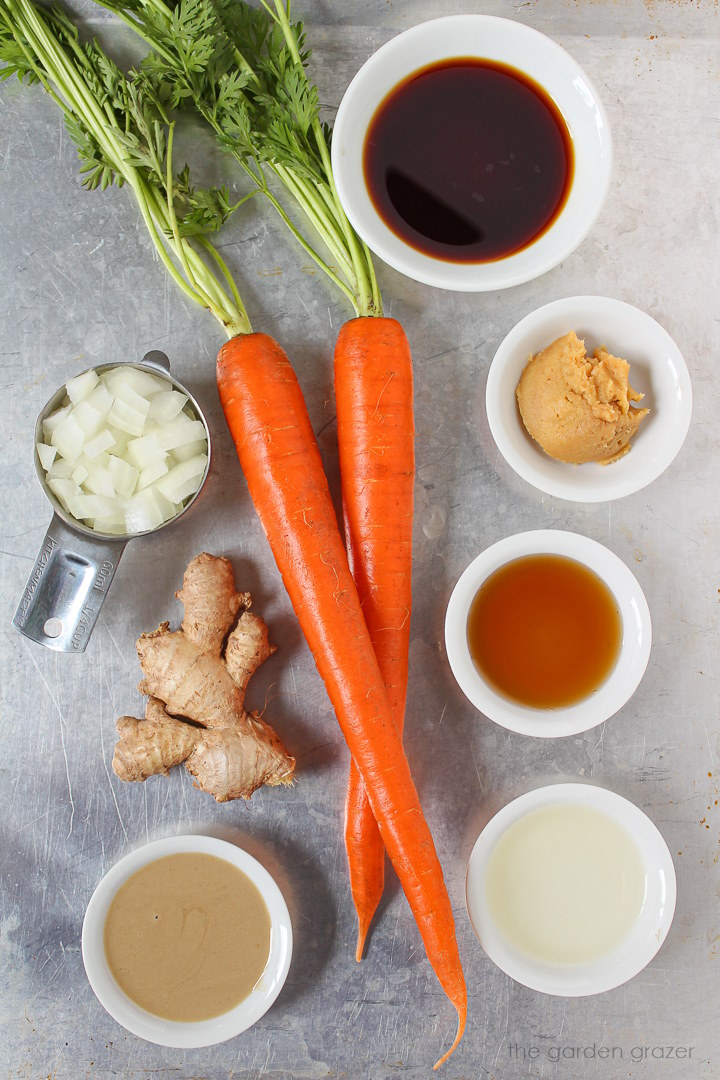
(266, 413)
(376, 443)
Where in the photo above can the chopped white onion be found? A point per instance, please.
(190, 450)
(101, 399)
(81, 386)
(46, 455)
(104, 440)
(52, 421)
(61, 470)
(123, 377)
(143, 512)
(68, 438)
(64, 490)
(124, 476)
(183, 480)
(165, 406)
(145, 451)
(127, 418)
(151, 473)
(180, 431)
(125, 452)
(80, 474)
(91, 506)
(88, 418)
(99, 481)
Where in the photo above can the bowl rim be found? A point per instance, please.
(622, 681)
(593, 147)
(627, 959)
(591, 482)
(158, 1029)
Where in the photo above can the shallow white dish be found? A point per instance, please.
(491, 38)
(623, 680)
(657, 369)
(157, 1029)
(646, 936)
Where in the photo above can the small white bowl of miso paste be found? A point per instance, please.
(187, 941)
(571, 889)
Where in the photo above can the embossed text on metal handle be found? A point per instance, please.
(67, 587)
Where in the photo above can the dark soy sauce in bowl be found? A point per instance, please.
(468, 160)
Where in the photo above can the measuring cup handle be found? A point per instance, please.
(67, 587)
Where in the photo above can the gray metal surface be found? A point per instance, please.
(79, 286)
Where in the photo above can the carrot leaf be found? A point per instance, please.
(243, 69)
(124, 135)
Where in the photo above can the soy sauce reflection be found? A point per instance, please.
(468, 160)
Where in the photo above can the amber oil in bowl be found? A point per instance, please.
(544, 630)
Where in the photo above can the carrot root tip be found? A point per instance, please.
(458, 1037)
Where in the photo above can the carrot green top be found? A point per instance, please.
(124, 136)
(243, 69)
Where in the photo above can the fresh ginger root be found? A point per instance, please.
(200, 674)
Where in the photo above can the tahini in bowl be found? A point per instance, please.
(157, 1029)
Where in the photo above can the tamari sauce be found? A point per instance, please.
(468, 160)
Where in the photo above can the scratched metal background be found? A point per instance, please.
(79, 285)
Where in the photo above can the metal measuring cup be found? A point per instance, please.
(75, 564)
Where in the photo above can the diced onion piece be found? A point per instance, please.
(166, 406)
(145, 451)
(168, 509)
(99, 481)
(183, 480)
(126, 417)
(99, 459)
(101, 399)
(61, 469)
(91, 506)
(88, 418)
(180, 431)
(110, 526)
(151, 473)
(143, 512)
(124, 476)
(80, 474)
(103, 441)
(81, 386)
(131, 397)
(68, 438)
(189, 450)
(64, 490)
(142, 383)
(46, 454)
(51, 422)
(122, 439)
(113, 523)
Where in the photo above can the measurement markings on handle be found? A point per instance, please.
(104, 574)
(85, 623)
(41, 564)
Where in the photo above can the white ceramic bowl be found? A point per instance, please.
(622, 681)
(657, 369)
(646, 936)
(157, 1029)
(491, 38)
